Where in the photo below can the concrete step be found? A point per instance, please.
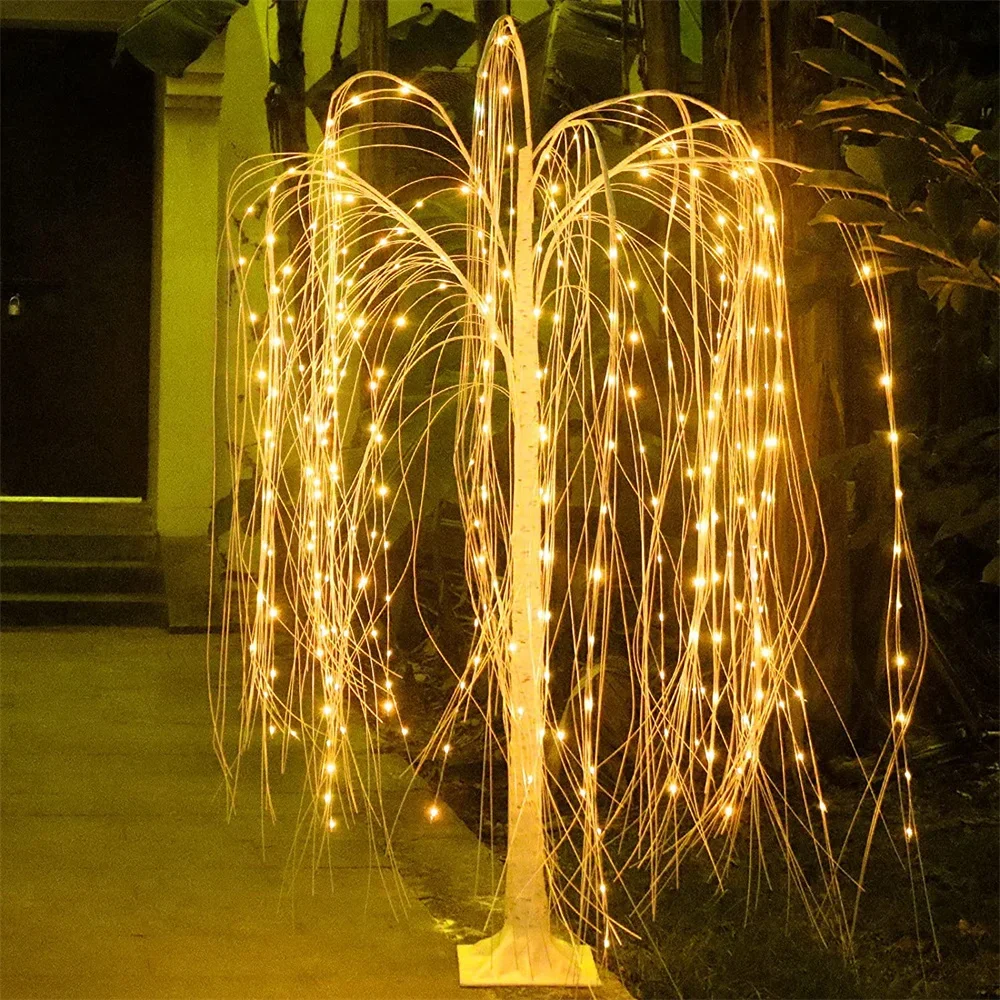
(66, 577)
(81, 548)
(79, 563)
(108, 608)
(55, 517)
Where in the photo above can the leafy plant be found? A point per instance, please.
(168, 35)
(925, 192)
(918, 190)
(431, 38)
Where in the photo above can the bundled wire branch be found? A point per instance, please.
(594, 336)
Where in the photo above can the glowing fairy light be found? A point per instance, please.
(541, 305)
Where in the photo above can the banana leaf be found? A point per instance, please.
(435, 38)
(167, 36)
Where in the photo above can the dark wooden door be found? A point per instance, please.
(76, 208)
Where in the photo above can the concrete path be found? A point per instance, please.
(120, 876)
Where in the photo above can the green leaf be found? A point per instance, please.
(894, 165)
(985, 236)
(867, 34)
(875, 122)
(891, 117)
(888, 264)
(168, 35)
(433, 38)
(991, 574)
(934, 507)
(977, 527)
(932, 279)
(917, 237)
(961, 133)
(850, 212)
(973, 96)
(840, 180)
(842, 97)
(988, 142)
(840, 64)
(906, 108)
(945, 206)
(842, 465)
(899, 80)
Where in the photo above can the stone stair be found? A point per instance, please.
(71, 563)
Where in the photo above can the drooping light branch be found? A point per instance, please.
(593, 329)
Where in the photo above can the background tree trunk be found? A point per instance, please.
(286, 107)
(662, 44)
(819, 340)
(712, 41)
(373, 54)
(661, 20)
(337, 59)
(741, 86)
(373, 35)
(487, 12)
(734, 60)
(287, 96)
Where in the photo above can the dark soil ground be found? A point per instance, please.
(703, 943)
(710, 945)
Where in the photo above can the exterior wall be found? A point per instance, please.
(186, 245)
(79, 15)
(210, 121)
(183, 300)
(185, 283)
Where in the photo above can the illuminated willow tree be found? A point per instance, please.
(602, 344)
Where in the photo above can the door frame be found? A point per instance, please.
(184, 254)
(84, 16)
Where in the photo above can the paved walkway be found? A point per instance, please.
(120, 876)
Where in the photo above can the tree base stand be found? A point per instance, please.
(541, 960)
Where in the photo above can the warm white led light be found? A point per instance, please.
(659, 479)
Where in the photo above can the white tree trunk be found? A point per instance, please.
(526, 897)
(525, 951)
